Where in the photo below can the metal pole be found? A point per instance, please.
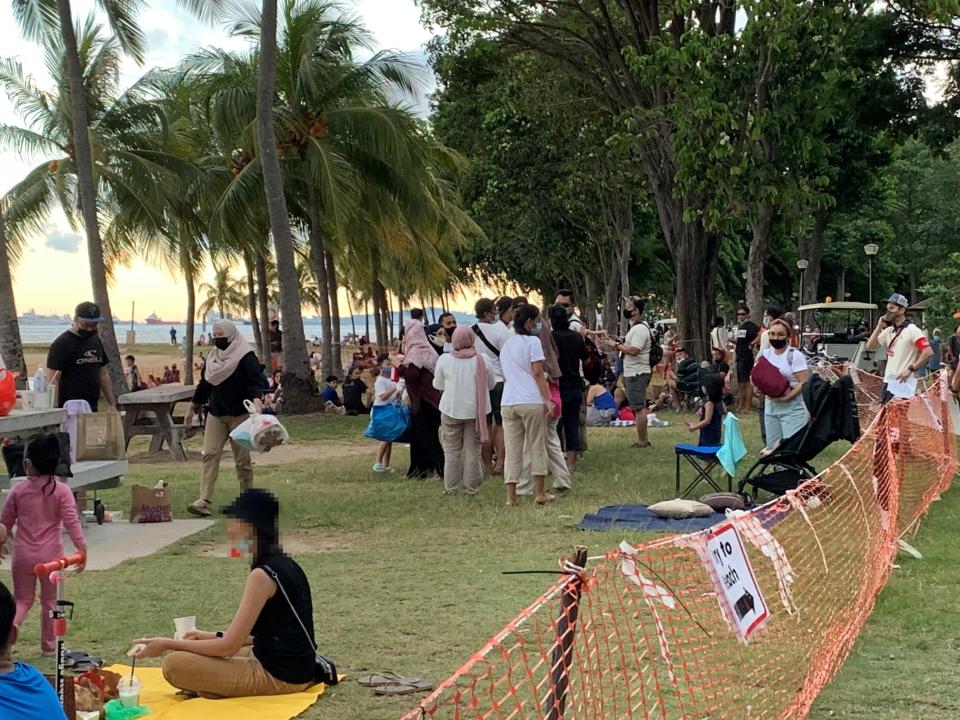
(870, 286)
(800, 312)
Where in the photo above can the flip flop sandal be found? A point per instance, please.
(408, 687)
(378, 679)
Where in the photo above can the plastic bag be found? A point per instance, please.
(388, 422)
(259, 432)
(116, 711)
(8, 391)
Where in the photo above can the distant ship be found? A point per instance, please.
(153, 319)
(31, 317)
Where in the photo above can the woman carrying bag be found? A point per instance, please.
(231, 375)
(780, 374)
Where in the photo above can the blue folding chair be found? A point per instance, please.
(704, 460)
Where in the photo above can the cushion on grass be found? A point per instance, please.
(681, 509)
(723, 501)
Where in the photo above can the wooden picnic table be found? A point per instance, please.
(26, 422)
(150, 412)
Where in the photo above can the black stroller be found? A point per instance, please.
(833, 416)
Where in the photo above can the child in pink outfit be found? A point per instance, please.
(39, 506)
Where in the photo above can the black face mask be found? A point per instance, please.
(778, 343)
(221, 343)
(86, 333)
(627, 313)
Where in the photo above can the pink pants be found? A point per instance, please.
(25, 591)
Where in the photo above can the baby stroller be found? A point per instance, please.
(833, 416)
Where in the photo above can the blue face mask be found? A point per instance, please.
(386, 372)
(241, 548)
(537, 329)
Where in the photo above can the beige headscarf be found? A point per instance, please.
(221, 364)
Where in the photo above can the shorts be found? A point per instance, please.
(744, 367)
(496, 395)
(636, 389)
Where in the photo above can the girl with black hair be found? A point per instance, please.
(40, 506)
(710, 413)
(269, 646)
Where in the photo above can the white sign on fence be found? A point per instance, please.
(736, 584)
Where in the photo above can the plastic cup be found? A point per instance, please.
(129, 693)
(183, 625)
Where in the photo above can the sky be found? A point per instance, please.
(53, 274)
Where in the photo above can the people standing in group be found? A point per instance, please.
(526, 404)
(571, 351)
(566, 299)
(505, 313)
(637, 372)
(785, 415)
(490, 336)
(385, 392)
(276, 346)
(230, 376)
(40, 507)
(444, 337)
(747, 332)
(906, 349)
(465, 381)
(416, 368)
(77, 361)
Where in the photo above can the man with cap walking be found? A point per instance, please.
(77, 362)
(907, 349)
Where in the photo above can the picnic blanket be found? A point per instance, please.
(638, 517)
(165, 704)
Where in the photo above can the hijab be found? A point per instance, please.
(463, 347)
(417, 350)
(221, 364)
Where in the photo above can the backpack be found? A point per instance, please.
(656, 350)
(593, 363)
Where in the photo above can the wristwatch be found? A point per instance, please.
(911, 368)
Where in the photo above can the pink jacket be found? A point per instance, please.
(39, 515)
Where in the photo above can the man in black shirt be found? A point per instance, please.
(353, 390)
(77, 361)
(746, 334)
(276, 346)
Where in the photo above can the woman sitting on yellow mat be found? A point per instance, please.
(269, 647)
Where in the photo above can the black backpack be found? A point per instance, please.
(656, 350)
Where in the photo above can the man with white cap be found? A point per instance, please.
(907, 349)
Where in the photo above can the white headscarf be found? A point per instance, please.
(221, 364)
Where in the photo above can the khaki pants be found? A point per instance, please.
(555, 460)
(524, 426)
(215, 435)
(461, 452)
(239, 676)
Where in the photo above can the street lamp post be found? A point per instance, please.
(871, 249)
(802, 266)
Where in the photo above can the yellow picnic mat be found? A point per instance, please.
(165, 704)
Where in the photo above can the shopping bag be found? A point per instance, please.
(150, 505)
(388, 422)
(100, 437)
(8, 391)
(259, 432)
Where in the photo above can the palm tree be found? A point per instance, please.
(11, 347)
(222, 294)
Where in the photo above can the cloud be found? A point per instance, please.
(64, 242)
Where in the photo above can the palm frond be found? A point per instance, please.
(122, 16)
(36, 18)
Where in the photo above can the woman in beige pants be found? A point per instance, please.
(231, 375)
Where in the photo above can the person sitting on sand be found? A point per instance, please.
(269, 647)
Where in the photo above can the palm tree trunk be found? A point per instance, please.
(334, 289)
(388, 306)
(252, 308)
(318, 263)
(88, 196)
(187, 268)
(297, 385)
(366, 318)
(263, 301)
(353, 322)
(11, 347)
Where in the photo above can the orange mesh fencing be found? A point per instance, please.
(644, 631)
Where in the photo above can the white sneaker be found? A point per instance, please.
(378, 468)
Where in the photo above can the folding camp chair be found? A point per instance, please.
(704, 460)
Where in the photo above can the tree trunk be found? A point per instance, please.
(334, 289)
(252, 308)
(762, 228)
(811, 249)
(187, 267)
(11, 347)
(318, 262)
(353, 321)
(366, 319)
(88, 197)
(388, 308)
(263, 303)
(400, 310)
(298, 390)
(589, 308)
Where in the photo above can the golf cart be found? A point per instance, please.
(840, 330)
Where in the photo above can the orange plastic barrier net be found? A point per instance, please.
(652, 631)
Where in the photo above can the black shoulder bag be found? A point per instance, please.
(324, 670)
(479, 334)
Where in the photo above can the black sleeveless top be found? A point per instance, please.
(279, 642)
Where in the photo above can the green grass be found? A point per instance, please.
(407, 580)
